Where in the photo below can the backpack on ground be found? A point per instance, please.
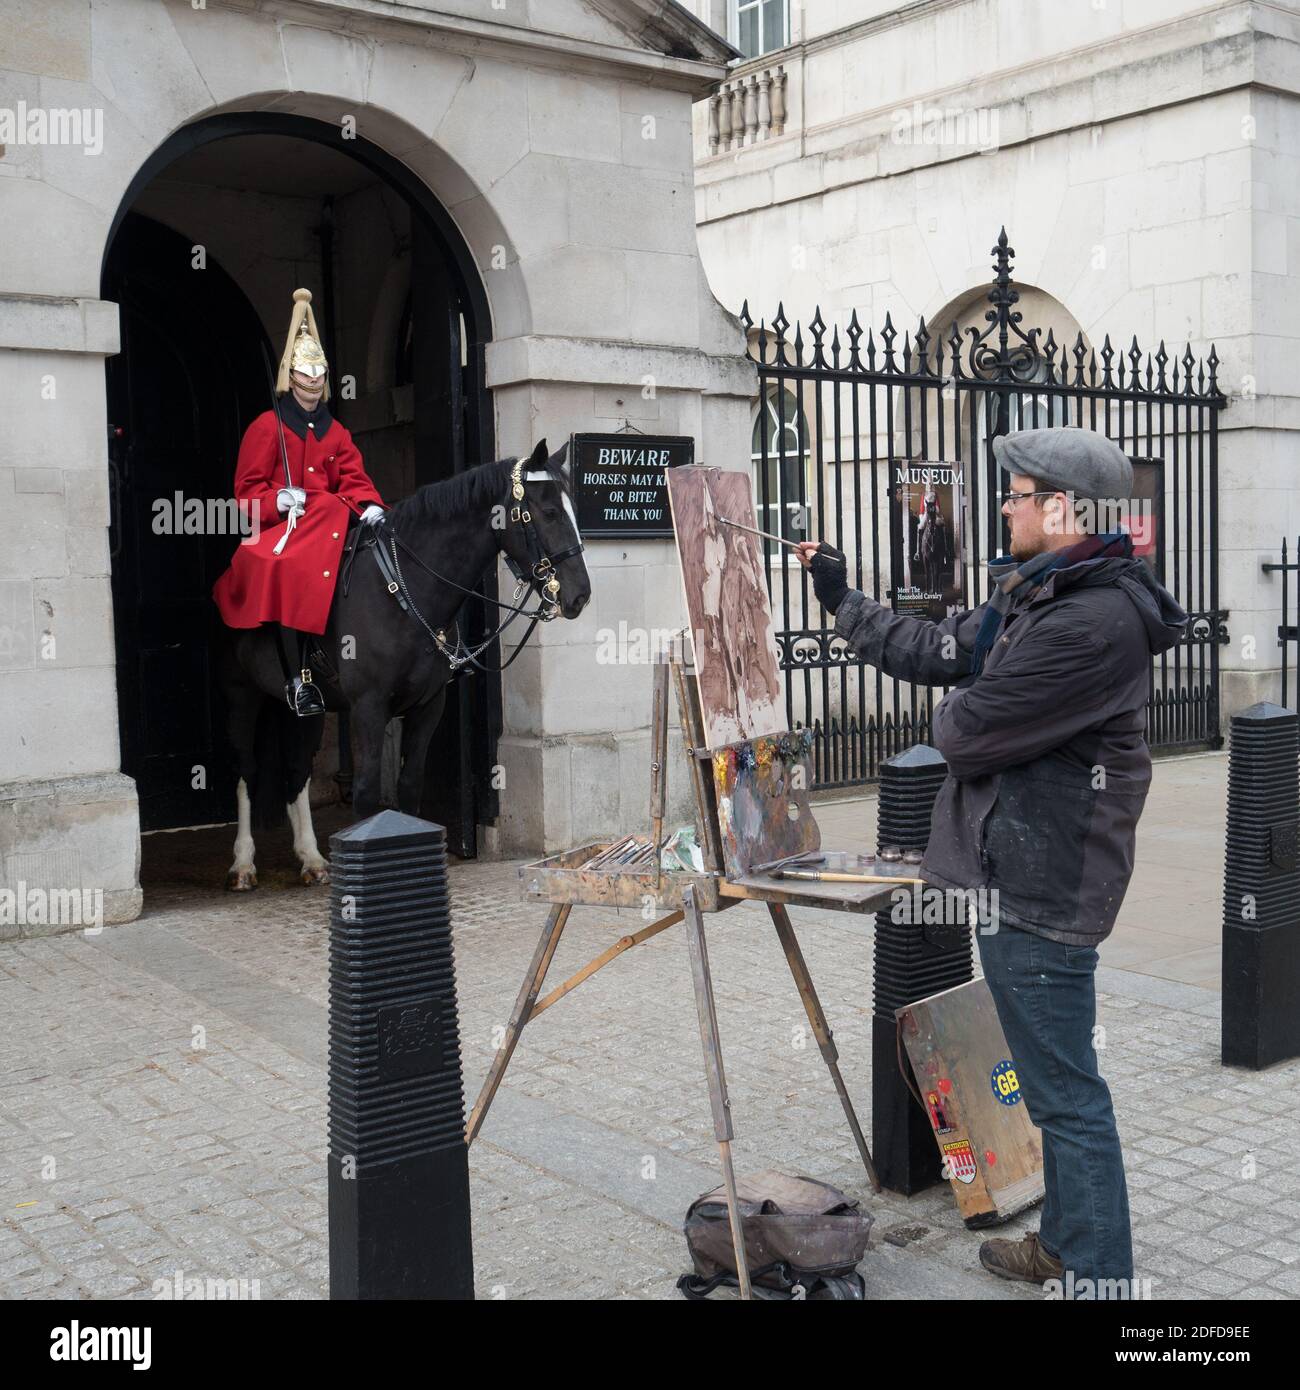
(803, 1240)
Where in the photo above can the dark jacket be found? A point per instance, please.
(1048, 768)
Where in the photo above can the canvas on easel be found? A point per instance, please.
(724, 581)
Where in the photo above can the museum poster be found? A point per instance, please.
(928, 527)
(1143, 518)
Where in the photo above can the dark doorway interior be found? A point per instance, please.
(185, 385)
(274, 202)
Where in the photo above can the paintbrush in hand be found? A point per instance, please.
(768, 536)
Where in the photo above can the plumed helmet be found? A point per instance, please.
(302, 348)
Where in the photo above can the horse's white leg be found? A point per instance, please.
(315, 869)
(242, 875)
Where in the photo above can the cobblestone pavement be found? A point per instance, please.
(162, 1105)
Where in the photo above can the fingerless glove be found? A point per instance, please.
(830, 574)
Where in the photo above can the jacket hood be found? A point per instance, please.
(1161, 613)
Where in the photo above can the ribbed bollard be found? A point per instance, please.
(398, 1168)
(1261, 890)
(912, 961)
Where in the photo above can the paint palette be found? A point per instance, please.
(762, 787)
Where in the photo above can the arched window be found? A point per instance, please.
(780, 452)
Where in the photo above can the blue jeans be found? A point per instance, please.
(1045, 998)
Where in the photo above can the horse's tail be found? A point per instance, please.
(271, 743)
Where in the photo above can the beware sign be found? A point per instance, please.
(618, 482)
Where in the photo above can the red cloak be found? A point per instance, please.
(295, 587)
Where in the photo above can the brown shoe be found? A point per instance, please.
(1020, 1259)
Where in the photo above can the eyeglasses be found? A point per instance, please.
(1012, 499)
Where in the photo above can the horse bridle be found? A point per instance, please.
(542, 567)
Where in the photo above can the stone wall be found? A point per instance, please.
(560, 143)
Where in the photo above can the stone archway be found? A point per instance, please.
(271, 168)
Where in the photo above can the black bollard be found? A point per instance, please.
(1261, 891)
(399, 1222)
(912, 961)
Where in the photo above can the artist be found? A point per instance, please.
(1047, 774)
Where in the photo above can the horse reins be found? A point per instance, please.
(543, 571)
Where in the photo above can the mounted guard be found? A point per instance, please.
(299, 459)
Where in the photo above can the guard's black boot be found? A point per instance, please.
(302, 692)
(304, 696)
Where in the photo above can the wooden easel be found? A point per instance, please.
(562, 881)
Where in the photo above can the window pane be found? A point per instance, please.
(748, 41)
(781, 469)
(773, 24)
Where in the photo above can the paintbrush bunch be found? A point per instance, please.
(633, 852)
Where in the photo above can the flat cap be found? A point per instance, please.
(1074, 460)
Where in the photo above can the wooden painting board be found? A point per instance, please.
(964, 1071)
(724, 579)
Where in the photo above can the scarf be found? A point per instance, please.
(1009, 577)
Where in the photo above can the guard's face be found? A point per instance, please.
(307, 388)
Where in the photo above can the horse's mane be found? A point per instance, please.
(480, 486)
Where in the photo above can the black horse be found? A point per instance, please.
(391, 645)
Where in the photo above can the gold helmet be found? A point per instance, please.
(302, 349)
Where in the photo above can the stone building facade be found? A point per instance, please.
(547, 141)
(1143, 159)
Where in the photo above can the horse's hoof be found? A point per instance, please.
(241, 880)
(312, 877)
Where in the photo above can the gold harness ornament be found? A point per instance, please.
(543, 570)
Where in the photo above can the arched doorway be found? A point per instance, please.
(213, 234)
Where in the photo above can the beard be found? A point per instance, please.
(1022, 549)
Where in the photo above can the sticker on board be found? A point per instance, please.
(959, 1161)
(1005, 1083)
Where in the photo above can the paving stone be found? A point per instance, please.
(211, 1161)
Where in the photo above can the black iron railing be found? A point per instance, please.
(844, 415)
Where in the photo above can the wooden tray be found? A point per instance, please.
(558, 879)
(843, 897)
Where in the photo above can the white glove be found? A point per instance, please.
(372, 513)
(291, 497)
